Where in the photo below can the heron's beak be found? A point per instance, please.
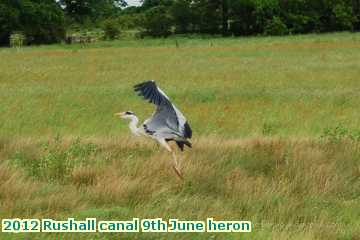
(120, 114)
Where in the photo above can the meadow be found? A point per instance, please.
(276, 134)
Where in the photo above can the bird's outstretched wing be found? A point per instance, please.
(167, 118)
(151, 92)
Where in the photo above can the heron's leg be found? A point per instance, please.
(176, 165)
(164, 144)
(178, 173)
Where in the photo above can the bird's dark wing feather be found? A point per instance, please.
(187, 130)
(150, 92)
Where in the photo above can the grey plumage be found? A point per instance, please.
(167, 121)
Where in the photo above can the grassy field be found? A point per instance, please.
(276, 141)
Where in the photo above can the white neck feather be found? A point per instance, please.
(133, 125)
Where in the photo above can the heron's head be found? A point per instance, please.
(125, 115)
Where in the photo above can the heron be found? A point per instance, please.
(166, 124)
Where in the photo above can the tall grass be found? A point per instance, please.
(288, 188)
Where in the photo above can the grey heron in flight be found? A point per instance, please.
(166, 124)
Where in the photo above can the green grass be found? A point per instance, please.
(298, 85)
(276, 134)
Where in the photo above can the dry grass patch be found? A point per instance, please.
(295, 186)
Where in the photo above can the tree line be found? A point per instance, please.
(46, 21)
(249, 17)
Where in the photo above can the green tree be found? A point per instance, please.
(208, 18)
(9, 20)
(265, 11)
(242, 17)
(147, 4)
(182, 15)
(343, 17)
(225, 16)
(300, 16)
(81, 11)
(40, 21)
(156, 22)
(356, 9)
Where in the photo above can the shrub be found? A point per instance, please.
(275, 27)
(111, 29)
(265, 12)
(344, 17)
(299, 23)
(57, 161)
(128, 21)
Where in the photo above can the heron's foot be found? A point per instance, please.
(178, 173)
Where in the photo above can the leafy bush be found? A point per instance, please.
(266, 11)
(299, 23)
(276, 27)
(56, 162)
(111, 29)
(128, 21)
(344, 17)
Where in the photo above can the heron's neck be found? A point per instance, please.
(133, 125)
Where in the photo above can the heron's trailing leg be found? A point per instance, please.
(176, 166)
